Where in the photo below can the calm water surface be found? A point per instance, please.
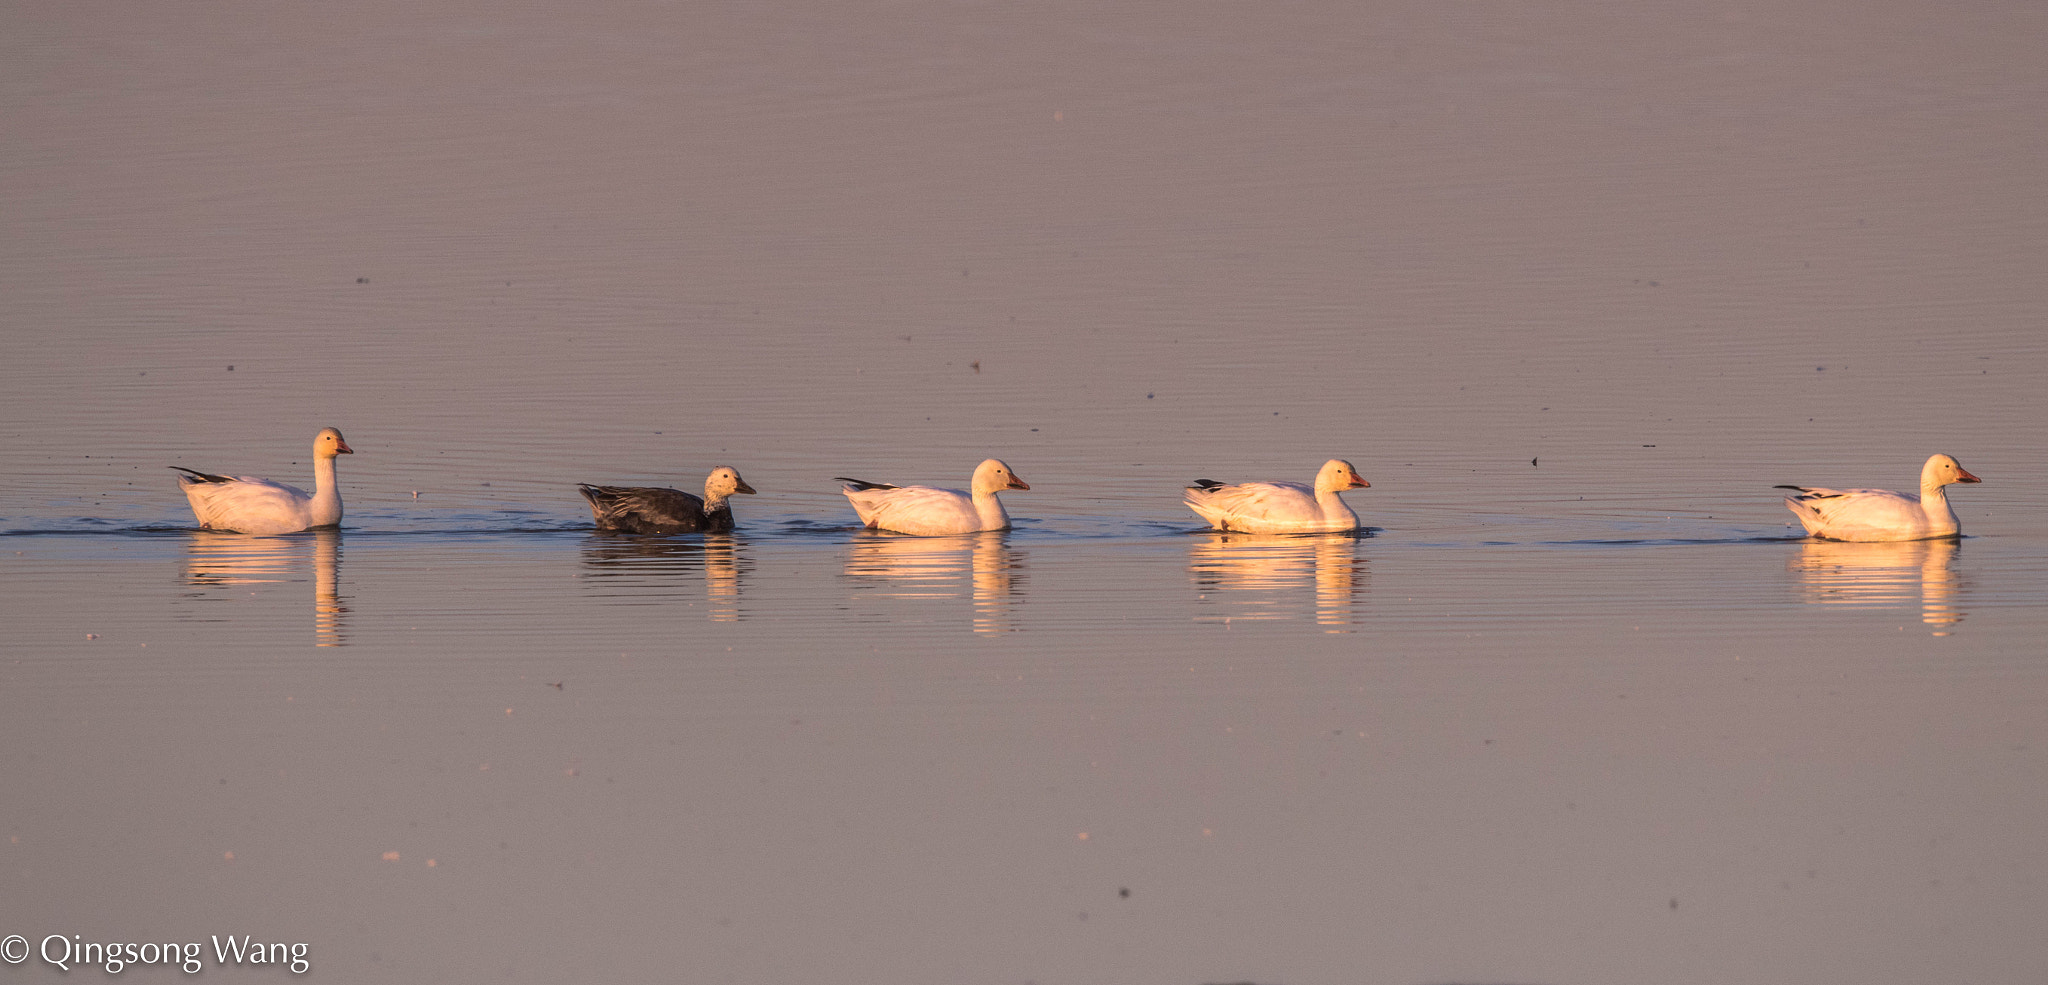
(1573, 288)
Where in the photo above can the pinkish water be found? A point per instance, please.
(1573, 286)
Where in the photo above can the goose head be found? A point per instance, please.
(993, 476)
(1337, 475)
(725, 481)
(329, 443)
(1942, 470)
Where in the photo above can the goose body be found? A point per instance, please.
(658, 510)
(1279, 507)
(929, 512)
(249, 505)
(1880, 514)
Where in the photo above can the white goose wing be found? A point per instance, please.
(1245, 505)
(921, 510)
(246, 504)
(1858, 514)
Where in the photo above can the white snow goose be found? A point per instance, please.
(657, 510)
(929, 512)
(259, 506)
(1279, 507)
(1880, 514)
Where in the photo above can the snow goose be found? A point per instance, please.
(260, 506)
(655, 510)
(1882, 515)
(1279, 507)
(929, 512)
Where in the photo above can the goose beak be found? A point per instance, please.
(342, 448)
(1017, 482)
(1963, 475)
(744, 488)
(1358, 482)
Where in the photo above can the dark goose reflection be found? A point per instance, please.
(630, 570)
(982, 565)
(1901, 575)
(1269, 576)
(231, 568)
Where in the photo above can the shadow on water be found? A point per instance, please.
(984, 566)
(1898, 575)
(630, 569)
(1267, 576)
(222, 567)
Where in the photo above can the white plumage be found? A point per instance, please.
(1880, 514)
(1279, 507)
(259, 506)
(930, 512)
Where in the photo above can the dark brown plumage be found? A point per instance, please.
(659, 510)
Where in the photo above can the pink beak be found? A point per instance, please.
(1963, 475)
(1017, 482)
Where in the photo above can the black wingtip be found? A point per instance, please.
(861, 485)
(1207, 484)
(200, 476)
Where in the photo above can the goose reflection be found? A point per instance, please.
(884, 565)
(649, 570)
(1265, 576)
(1885, 574)
(230, 567)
